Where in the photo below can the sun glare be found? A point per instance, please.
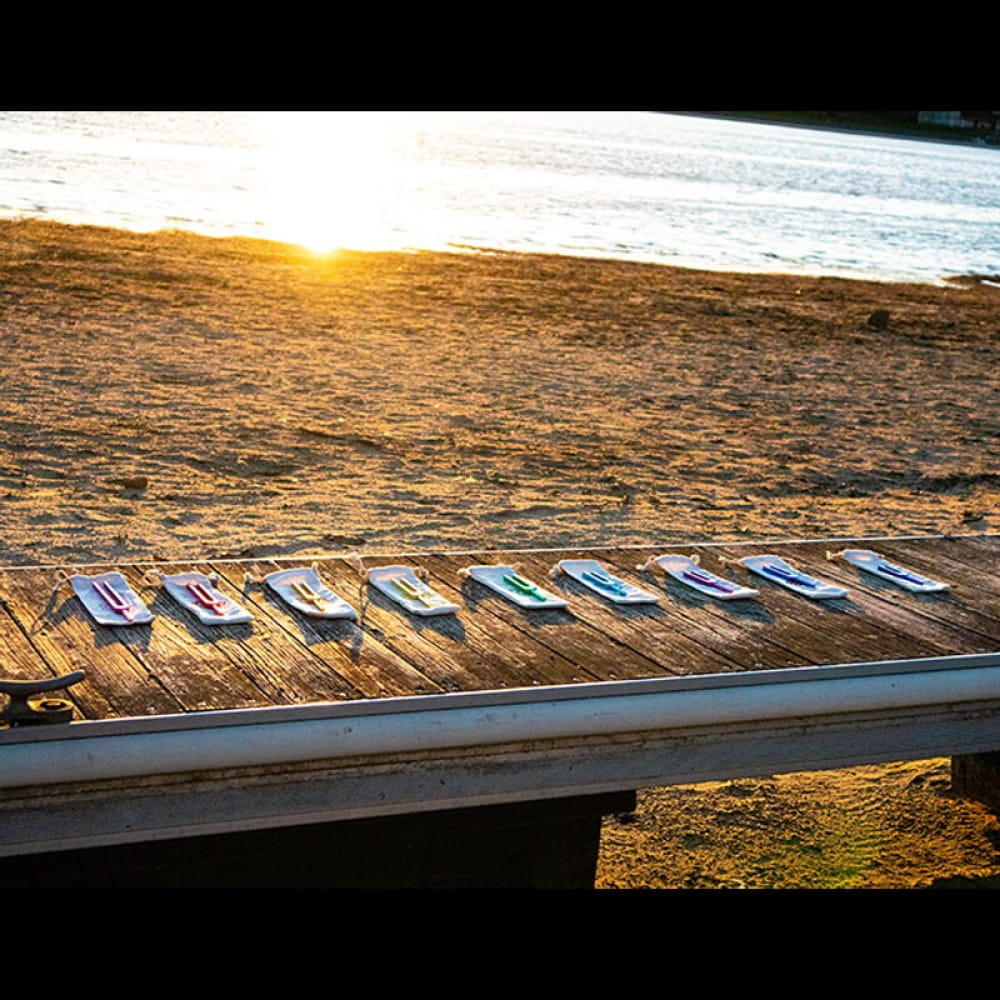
(332, 178)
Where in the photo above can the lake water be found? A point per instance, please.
(672, 189)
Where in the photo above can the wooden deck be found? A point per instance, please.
(177, 678)
(176, 665)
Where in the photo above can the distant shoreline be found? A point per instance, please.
(933, 281)
(918, 132)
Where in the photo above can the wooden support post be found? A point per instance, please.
(977, 776)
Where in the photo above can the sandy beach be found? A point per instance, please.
(173, 396)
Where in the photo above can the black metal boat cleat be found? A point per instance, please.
(30, 705)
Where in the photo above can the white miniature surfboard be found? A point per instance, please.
(872, 562)
(199, 595)
(507, 582)
(110, 600)
(594, 576)
(685, 570)
(775, 569)
(303, 589)
(402, 585)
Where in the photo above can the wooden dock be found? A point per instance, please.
(187, 730)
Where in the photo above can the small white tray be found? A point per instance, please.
(429, 602)
(88, 589)
(303, 589)
(230, 613)
(775, 569)
(685, 570)
(591, 573)
(494, 578)
(872, 562)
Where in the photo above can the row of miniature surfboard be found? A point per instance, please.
(110, 600)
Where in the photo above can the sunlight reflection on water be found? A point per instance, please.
(636, 185)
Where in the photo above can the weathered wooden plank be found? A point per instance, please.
(241, 665)
(978, 547)
(871, 628)
(594, 653)
(770, 636)
(827, 631)
(187, 658)
(895, 612)
(19, 660)
(739, 630)
(376, 628)
(465, 651)
(497, 636)
(972, 603)
(654, 631)
(365, 666)
(957, 560)
(974, 576)
(117, 683)
(434, 646)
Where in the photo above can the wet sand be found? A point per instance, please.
(172, 396)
